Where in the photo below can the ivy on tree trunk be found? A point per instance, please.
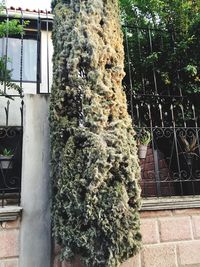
(95, 169)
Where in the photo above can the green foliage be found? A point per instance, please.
(5, 77)
(164, 13)
(7, 152)
(94, 164)
(12, 27)
(191, 70)
(143, 136)
(176, 61)
(8, 28)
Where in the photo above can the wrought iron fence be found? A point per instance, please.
(158, 102)
(10, 156)
(165, 116)
(25, 68)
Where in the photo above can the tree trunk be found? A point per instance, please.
(95, 169)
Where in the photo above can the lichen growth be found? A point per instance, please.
(95, 169)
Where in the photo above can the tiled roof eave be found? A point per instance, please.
(27, 13)
(27, 10)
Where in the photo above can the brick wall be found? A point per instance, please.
(9, 243)
(171, 239)
(148, 173)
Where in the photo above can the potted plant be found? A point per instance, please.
(189, 148)
(144, 138)
(6, 158)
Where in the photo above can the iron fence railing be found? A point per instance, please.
(11, 132)
(158, 102)
(162, 108)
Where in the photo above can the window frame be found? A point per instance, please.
(30, 34)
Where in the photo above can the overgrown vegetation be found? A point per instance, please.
(95, 169)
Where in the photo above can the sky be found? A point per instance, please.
(31, 4)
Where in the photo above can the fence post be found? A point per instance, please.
(35, 239)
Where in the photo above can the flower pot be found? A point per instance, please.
(6, 162)
(142, 151)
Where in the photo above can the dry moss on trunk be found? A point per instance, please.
(95, 169)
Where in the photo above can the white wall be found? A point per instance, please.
(14, 118)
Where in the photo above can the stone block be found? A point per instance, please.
(189, 253)
(9, 263)
(9, 245)
(175, 229)
(149, 230)
(196, 226)
(162, 255)
(181, 212)
(155, 214)
(11, 224)
(132, 262)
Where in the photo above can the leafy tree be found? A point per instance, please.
(174, 55)
(179, 13)
(94, 164)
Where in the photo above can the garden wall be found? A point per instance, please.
(171, 239)
(9, 243)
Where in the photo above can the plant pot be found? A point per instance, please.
(142, 151)
(6, 162)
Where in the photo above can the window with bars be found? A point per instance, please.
(21, 52)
